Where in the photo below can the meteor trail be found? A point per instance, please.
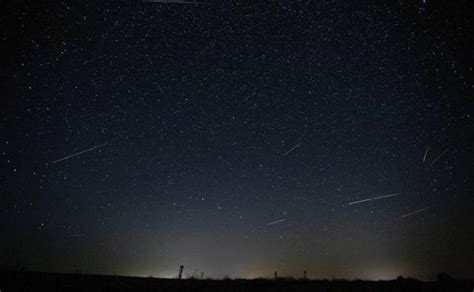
(426, 153)
(441, 155)
(375, 198)
(291, 150)
(78, 235)
(414, 212)
(79, 153)
(276, 222)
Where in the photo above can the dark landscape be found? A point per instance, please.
(36, 281)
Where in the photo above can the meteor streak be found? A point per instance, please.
(441, 155)
(276, 222)
(78, 235)
(291, 150)
(414, 212)
(79, 153)
(375, 198)
(426, 153)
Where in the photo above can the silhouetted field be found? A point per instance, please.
(35, 281)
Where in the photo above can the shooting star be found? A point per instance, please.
(79, 153)
(441, 155)
(78, 235)
(291, 150)
(176, 1)
(276, 222)
(426, 153)
(414, 212)
(375, 198)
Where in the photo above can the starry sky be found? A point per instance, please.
(238, 139)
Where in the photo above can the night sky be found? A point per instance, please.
(238, 138)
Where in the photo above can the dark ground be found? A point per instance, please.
(35, 281)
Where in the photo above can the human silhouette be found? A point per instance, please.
(180, 275)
